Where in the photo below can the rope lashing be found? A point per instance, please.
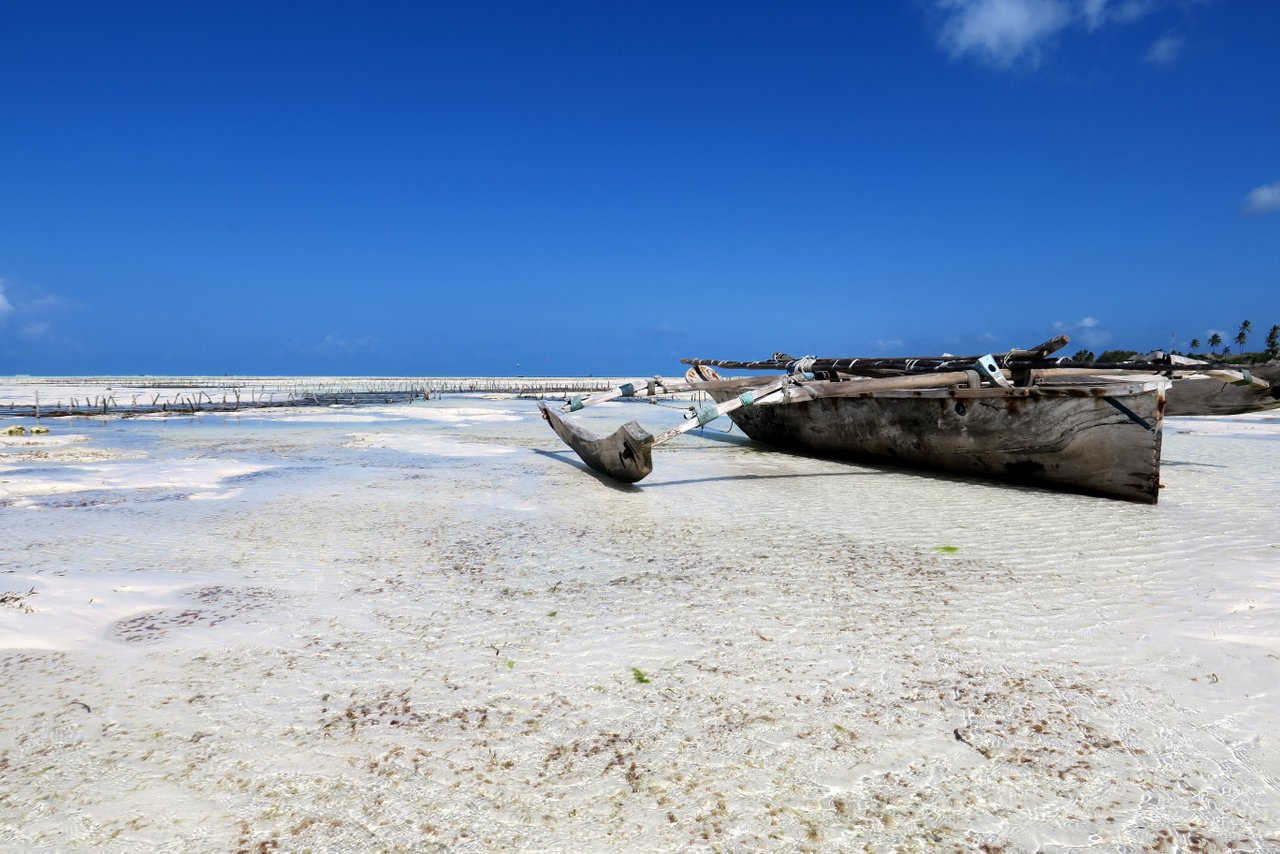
(804, 365)
(706, 414)
(747, 398)
(575, 403)
(627, 390)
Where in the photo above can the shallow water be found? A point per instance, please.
(427, 626)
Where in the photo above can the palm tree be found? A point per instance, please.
(1195, 344)
(1215, 341)
(1273, 341)
(1243, 334)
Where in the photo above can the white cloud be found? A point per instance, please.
(1263, 200)
(1007, 32)
(29, 308)
(1165, 50)
(1095, 13)
(1001, 32)
(1098, 13)
(1087, 332)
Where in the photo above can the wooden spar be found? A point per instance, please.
(1034, 359)
(853, 363)
(771, 393)
(938, 365)
(1050, 373)
(625, 390)
(859, 387)
(1203, 392)
(639, 389)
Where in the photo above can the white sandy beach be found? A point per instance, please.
(427, 627)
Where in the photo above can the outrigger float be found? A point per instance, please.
(1018, 416)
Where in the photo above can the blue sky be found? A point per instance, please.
(587, 187)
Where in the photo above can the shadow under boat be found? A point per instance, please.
(569, 458)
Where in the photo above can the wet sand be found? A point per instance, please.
(428, 627)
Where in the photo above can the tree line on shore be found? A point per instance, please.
(1217, 352)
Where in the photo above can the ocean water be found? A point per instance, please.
(428, 627)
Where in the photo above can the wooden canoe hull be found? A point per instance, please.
(1098, 440)
(1209, 396)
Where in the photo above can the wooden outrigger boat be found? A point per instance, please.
(1224, 392)
(1019, 417)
